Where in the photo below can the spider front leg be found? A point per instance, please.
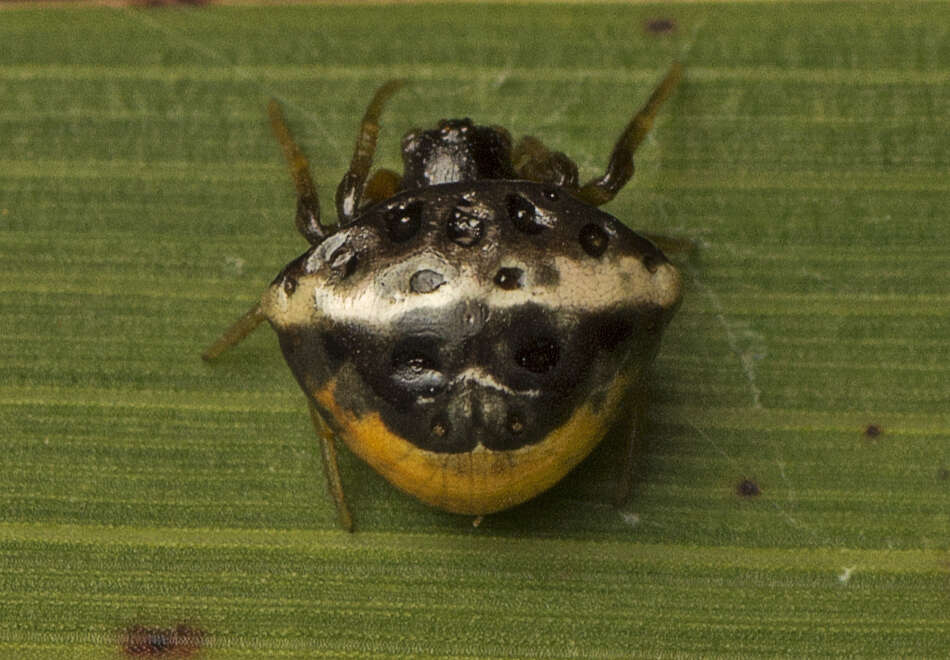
(349, 194)
(307, 221)
(308, 203)
(235, 333)
(620, 167)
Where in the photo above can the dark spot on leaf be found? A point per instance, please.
(660, 25)
(183, 641)
(748, 488)
(873, 431)
(943, 474)
(404, 221)
(154, 4)
(509, 278)
(426, 281)
(593, 239)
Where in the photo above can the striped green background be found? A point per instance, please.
(144, 205)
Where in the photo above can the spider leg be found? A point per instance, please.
(535, 162)
(620, 167)
(308, 203)
(349, 194)
(382, 185)
(236, 333)
(331, 468)
(633, 419)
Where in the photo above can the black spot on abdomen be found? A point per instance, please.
(509, 278)
(404, 221)
(523, 214)
(593, 239)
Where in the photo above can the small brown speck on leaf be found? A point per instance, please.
(943, 473)
(151, 4)
(182, 641)
(873, 431)
(748, 488)
(660, 25)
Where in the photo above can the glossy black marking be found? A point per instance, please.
(593, 239)
(343, 261)
(504, 378)
(457, 150)
(404, 221)
(524, 214)
(551, 194)
(464, 228)
(509, 278)
(426, 281)
(538, 355)
(295, 269)
(415, 369)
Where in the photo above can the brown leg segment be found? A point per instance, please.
(620, 168)
(236, 333)
(331, 468)
(634, 421)
(535, 162)
(349, 194)
(308, 203)
(382, 185)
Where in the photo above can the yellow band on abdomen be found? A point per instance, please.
(481, 481)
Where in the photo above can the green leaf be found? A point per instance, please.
(793, 493)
